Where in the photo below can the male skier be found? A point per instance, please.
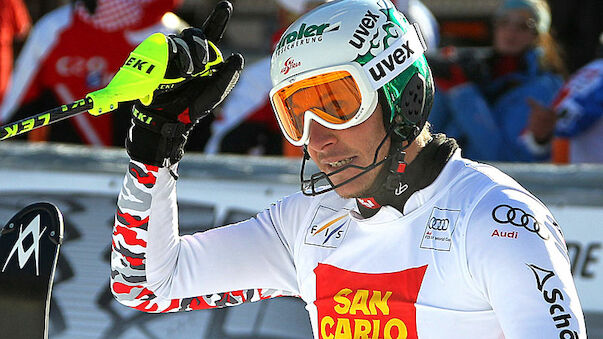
(405, 239)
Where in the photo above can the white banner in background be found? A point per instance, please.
(583, 230)
(83, 307)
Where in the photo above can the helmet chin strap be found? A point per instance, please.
(311, 186)
(391, 178)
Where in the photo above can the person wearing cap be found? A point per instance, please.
(395, 235)
(483, 97)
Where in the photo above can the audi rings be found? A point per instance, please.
(438, 224)
(505, 214)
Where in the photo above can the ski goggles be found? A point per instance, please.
(337, 97)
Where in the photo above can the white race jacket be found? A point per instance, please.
(474, 255)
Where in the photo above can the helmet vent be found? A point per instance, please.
(413, 98)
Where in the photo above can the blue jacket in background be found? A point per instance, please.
(488, 118)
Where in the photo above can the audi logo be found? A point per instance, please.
(439, 224)
(505, 214)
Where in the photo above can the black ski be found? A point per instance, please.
(29, 249)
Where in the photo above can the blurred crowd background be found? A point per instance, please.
(517, 80)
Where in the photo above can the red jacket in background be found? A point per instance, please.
(14, 22)
(72, 53)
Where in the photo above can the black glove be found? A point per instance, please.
(159, 131)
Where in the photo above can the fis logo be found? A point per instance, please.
(327, 232)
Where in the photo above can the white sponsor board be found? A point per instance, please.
(83, 307)
(583, 230)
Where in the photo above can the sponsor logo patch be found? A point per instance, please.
(139, 64)
(289, 65)
(369, 203)
(306, 34)
(363, 31)
(506, 214)
(504, 234)
(375, 32)
(23, 249)
(328, 228)
(367, 305)
(557, 300)
(439, 229)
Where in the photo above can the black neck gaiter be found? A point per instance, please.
(420, 173)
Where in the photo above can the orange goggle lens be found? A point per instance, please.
(333, 97)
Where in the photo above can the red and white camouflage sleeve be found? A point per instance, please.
(153, 269)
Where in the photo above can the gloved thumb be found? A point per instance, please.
(219, 85)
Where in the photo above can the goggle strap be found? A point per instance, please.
(412, 48)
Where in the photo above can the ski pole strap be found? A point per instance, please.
(153, 122)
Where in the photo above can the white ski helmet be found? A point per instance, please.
(365, 45)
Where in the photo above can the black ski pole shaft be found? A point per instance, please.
(45, 118)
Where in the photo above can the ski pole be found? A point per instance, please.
(139, 78)
(45, 118)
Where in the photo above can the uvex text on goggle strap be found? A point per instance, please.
(342, 96)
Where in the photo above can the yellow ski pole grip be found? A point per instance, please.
(137, 78)
(142, 74)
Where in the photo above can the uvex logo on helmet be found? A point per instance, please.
(363, 30)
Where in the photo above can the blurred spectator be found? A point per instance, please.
(416, 11)
(577, 115)
(14, 23)
(247, 124)
(74, 50)
(577, 25)
(482, 96)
